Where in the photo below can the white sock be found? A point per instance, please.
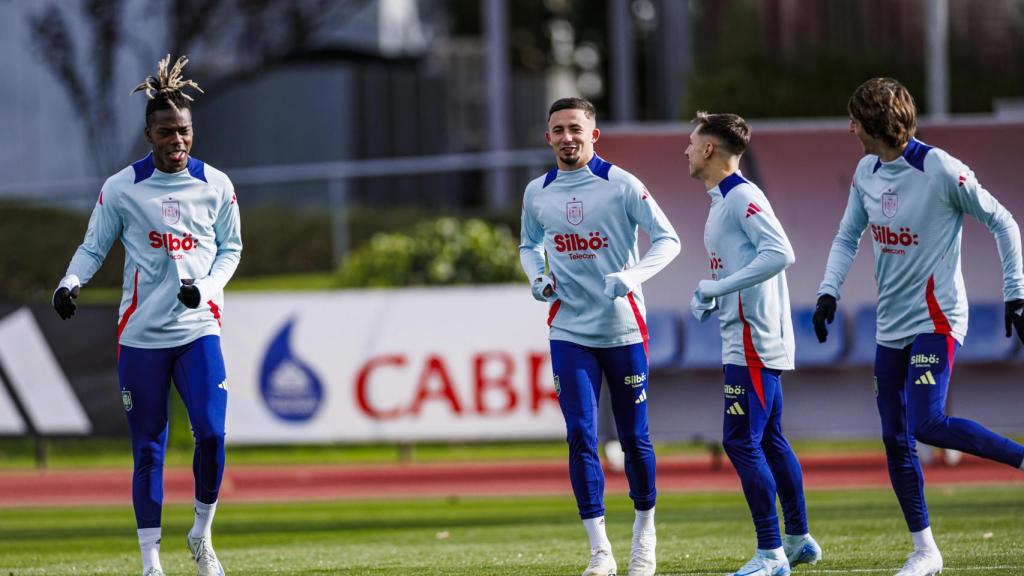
(149, 544)
(596, 533)
(790, 540)
(1021, 465)
(644, 521)
(777, 553)
(923, 540)
(204, 520)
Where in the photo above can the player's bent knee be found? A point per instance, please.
(149, 454)
(737, 446)
(210, 440)
(579, 430)
(580, 437)
(636, 445)
(776, 448)
(895, 443)
(931, 430)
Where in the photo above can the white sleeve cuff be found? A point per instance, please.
(70, 282)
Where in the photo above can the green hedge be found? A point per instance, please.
(445, 251)
(38, 244)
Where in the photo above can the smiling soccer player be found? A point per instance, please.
(584, 215)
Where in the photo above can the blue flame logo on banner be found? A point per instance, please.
(290, 388)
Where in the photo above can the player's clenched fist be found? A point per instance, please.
(64, 301)
(188, 294)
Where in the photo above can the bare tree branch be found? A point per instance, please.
(251, 34)
(188, 21)
(53, 43)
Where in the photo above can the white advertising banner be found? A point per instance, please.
(389, 365)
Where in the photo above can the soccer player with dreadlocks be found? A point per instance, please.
(177, 219)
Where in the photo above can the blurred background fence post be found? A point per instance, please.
(337, 191)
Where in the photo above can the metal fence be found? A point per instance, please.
(336, 178)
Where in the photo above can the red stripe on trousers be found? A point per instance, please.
(938, 317)
(754, 363)
(640, 323)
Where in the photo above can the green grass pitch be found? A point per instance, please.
(980, 531)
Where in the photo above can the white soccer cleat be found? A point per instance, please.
(765, 564)
(601, 564)
(642, 559)
(154, 572)
(206, 559)
(803, 551)
(922, 563)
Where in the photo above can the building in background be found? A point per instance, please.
(304, 82)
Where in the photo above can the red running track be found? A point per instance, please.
(292, 483)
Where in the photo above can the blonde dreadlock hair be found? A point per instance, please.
(166, 90)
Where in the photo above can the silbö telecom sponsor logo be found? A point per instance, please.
(289, 387)
(173, 244)
(893, 242)
(580, 247)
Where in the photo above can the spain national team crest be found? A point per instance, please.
(574, 212)
(126, 399)
(170, 210)
(890, 204)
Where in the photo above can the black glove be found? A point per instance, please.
(64, 301)
(189, 294)
(825, 310)
(1013, 317)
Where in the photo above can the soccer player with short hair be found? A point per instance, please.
(177, 219)
(584, 216)
(748, 253)
(914, 197)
